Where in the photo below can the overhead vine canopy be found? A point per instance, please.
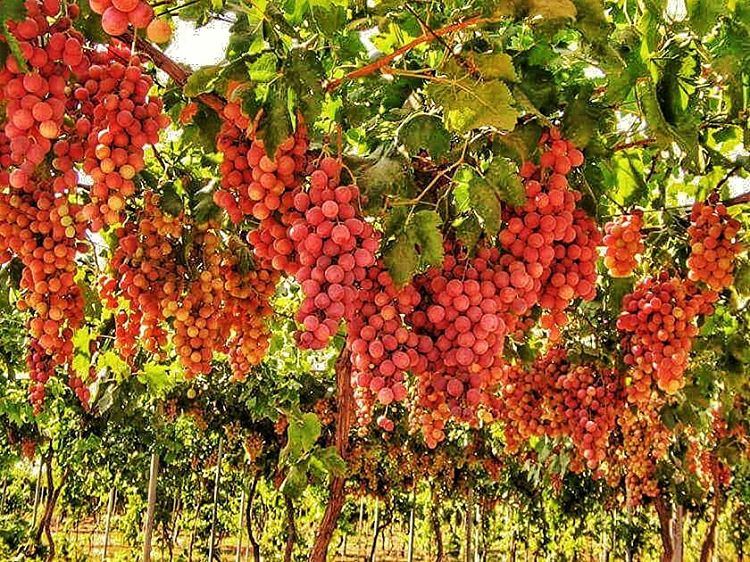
(524, 218)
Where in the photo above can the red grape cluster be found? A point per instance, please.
(524, 395)
(124, 120)
(623, 241)
(658, 325)
(645, 441)
(35, 100)
(145, 272)
(461, 328)
(713, 245)
(588, 400)
(252, 183)
(382, 348)
(82, 391)
(247, 309)
(553, 242)
(334, 248)
(118, 14)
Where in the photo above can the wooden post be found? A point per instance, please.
(361, 545)
(376, 524)
(468, 527)
(239, 526)
(37, 493)
(108, 520)
(217, 478)
(410, 547)
(148, 527)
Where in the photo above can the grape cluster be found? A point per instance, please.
(334, 246)
(461, 330)
(117, 15)
(247, 308)
(552, 242)
(645, 441)
(524, 395)
(382, 347)
(124, 120)
(252, 183)
(658, 325)
(145, 271)
(623, 241)
(201, 295)
(588, 400)
(35, 101)
(713, 245)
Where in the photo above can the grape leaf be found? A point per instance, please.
(278, 124)
(468, 230)
(201, 81)
(303, 432)
(469, 106)
(591, 20)
(703, 14)
(382, 178)
(425, 131)
(331, 461)
(263, 68)
(302, 73)
(295, 482)
(552, 9)
(496, 66)
(12, 10)
(502, 176)
(428, 235)
(401, 258)
(486, 205)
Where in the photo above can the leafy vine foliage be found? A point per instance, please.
(522, 220)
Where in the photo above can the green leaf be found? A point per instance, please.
(395, 221)
(502, 176)
(13, 45)
(383, 178)
(552, 9)
(12, 10)
(110, 360)
(263, 68)
(81, 366)
(332, 461)
(401, 259)
(467, 106)
(591, 20)
(427, 132)
(157, 378)
(329, 16)
(703, 14)
(496, 66)
(485, 204)
(201, 81)
(277, 126)
(295, 482)
(430, 239)
(468, 230)
(302, 73)
(304, 432)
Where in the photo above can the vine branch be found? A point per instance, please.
(387, 59)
